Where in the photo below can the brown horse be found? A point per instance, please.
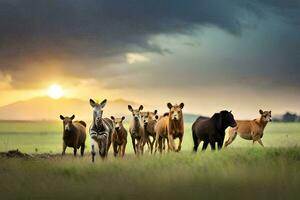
(250, 129)
(136, 129)
(119, 136)
(150, 120)
(74, 134)
(170, 126)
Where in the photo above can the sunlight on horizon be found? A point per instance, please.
(55, 91)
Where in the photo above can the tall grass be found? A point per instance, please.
(237, 173)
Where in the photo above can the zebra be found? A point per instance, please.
(100, 130)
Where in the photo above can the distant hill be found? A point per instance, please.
(45, 108)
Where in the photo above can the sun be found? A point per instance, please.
(55, 91)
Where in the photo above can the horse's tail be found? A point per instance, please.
(82, 123)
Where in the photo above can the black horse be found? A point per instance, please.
(212, 131)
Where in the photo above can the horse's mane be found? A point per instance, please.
(82, 123)
(166, 114)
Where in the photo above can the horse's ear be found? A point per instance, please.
(169, 105)
(73, 117)
(141, 107)
(270, 111)
(181, 105)
(155, 112)
(93, 103)
(112, 117)
(130, 108)
(61, 117)
(123, 118)
(103, 103)
(261, 111)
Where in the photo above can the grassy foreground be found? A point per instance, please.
(236, 173)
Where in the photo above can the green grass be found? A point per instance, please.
(238, 172)
(47, 137)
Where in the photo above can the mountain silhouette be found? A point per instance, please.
(45, 108)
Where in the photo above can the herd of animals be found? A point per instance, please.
(148, 128)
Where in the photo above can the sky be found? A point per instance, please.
(240, 55)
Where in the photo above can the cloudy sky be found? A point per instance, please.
(209, 54)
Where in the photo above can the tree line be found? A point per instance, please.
(288, 117)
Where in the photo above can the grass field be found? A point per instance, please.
(47, 137)
(238, 172)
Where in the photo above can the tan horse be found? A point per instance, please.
(150, 120)
(250, 129)
(170, 126)
(136, 130)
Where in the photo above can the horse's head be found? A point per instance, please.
(149, 116)
(266, 116)
(67, 122)
(136, 113)
(118, 122)
(97, 110)
(175, 111)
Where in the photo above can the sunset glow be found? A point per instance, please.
(55, 91)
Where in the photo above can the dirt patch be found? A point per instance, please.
(15, 154)
(18, 154)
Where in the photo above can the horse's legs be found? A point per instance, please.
(171, 142)
(115, 146)
(140, 146)
(108, 144)
(164, 143)
(196, 142)
(220, 144)
(168, 144)
(75, 150)
(64, 149)
(133, 144)
(179, 145)
(232, 135)
(103, 148)
(260, 142)
(93, 152)
(256, 138)
(120, 150)
(152, 144)
(144, 140)
(156, 143)
(82, 149)
(160, 144)
(149, 144)
(212, 145)
(205, 144)
(123, 149)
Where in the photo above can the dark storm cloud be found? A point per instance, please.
(83, 36)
